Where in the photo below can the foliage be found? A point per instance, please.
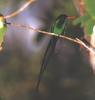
(88, 20)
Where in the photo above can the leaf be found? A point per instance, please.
(3, 29)
(87, 22)
(2, 32)
(90, 7)
(89, 26)
(81, 20)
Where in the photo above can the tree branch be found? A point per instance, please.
(78, 41)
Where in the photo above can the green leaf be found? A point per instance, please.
(90, 7)
(89, 26)
(81, 20)
(87, 22)
(3, 28)
(2, 32)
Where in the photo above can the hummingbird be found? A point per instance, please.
(58, 27)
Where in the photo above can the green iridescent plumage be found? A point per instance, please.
(57, 28)
(3, 29)
(59, 25)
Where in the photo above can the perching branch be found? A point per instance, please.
(78, 41)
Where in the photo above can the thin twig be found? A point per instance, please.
(80, 6)
(78, 41)
(19, 10)
(88, 48)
